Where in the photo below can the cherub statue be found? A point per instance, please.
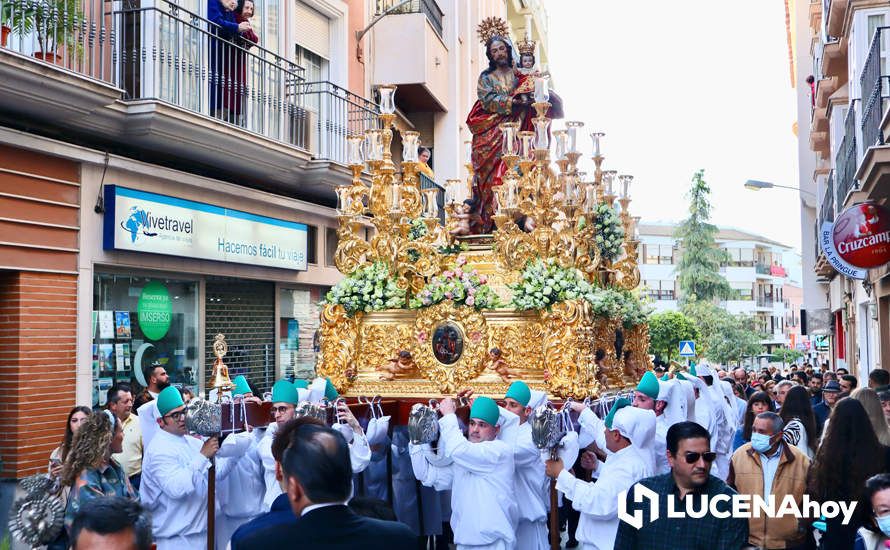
(499, 365)
(462, 217)
(400, 364)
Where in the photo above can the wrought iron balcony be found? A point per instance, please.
(874, 85)
(845, 161)
(170, 55)
(427, 7)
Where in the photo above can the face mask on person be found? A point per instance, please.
(760, 442)
(884, 524)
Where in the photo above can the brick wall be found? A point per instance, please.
(39, 230)
(38, 314)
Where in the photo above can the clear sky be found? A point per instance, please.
(678, 86)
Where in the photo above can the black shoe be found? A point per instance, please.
(572, 544)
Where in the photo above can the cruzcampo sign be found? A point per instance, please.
(861, 235)
(154, 310)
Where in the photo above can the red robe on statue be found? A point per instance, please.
(494, 107)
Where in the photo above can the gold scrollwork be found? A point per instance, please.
(566, 350)
(338, 338)
(475, 339)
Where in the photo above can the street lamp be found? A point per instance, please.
(756, 185)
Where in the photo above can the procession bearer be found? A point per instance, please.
(530, 483)
(483, 505)
(627, 430)
(174, 478)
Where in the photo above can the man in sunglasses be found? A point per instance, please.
(690, 456)
(174, 477)
(628, 431)
(764, 467)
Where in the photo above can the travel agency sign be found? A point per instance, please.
(858, 239)
(140, 221)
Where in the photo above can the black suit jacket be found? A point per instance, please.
(333, 527)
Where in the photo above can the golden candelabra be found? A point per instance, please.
(394, 204)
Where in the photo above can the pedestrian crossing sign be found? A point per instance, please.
(687, 348)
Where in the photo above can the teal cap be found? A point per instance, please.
(330, 392)
(692, 369)
(665, 378)
(169, 399)
(284, 392)
(648, 384)
(617, 406)
(301, 384)
(519, 392)
(680, 376)
(485, 409)
(241, 385)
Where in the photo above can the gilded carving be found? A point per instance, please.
(473, 331)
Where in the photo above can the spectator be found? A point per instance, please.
(740, 376)
(800, 377)
(759, 402)
(423, 157)
(766, 466)
(849, 454)
(830, 395)
(875, 535)
(811, 82)
(872, 405)
(878, 378)
(318, 478)
(226, 30)
(770, 388)
(690, 457)
(829, 375)
(76, 418)
(90, 471)
(247, 39)
(815, 386)
(884, 396)
(280, 513)
(111, 522)
(800, 424)
(848, 383)
(842, 371)
(781, 391)
(741, 402)
(120, 402)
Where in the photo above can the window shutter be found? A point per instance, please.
(313, 30)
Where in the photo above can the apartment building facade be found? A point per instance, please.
(755, 272)
(843, 161)
(160, 184)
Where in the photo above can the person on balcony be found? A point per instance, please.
(234, 99)
(423, 156)
(225, 30)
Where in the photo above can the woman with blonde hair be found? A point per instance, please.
(872, 404)
(90, 471)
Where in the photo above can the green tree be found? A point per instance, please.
(699, 268)
(725, 337)
(666, 329)
(787, 355)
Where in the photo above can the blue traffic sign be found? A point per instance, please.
(687, 348)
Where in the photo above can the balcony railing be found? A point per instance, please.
(427, 7)
(339, 113)
(169, 54)
(845, 161)
(765, 301)
(873, 85)
(762, 269)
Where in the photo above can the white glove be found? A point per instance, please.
(568, 449)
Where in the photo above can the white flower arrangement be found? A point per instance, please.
(459, 285)
(609, 232)
(370, 288)
(543, 284)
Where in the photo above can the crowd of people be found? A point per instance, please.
(681, 434)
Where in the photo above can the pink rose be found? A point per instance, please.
(448, 274)
(461, 261)
(471, 291)
(483, 279)
(470, 300)
(459, 272)
(449, 295)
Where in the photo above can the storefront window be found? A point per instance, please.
(299, 336)
(141, 320)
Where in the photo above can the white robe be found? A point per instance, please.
(598, 502)
(483, 506)
(659, 445)
(359, 455)
(532, 491)
(592, 431)
(174, 488)
(239, 496)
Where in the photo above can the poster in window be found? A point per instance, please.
(106, 324)
(106, 352)
(103, 385)
(119, 357)
(122, 324)
(293, 334)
